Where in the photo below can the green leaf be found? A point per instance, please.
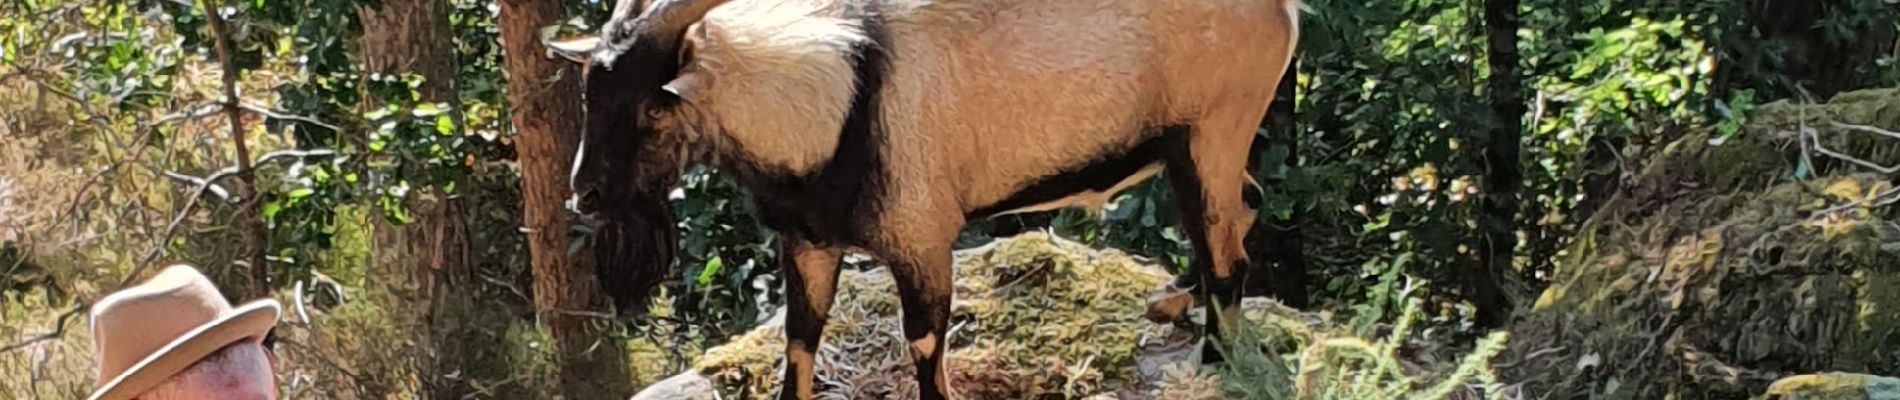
(1803, 169)
(426, 110)
(302, 193)
(444, 125)
(712, 268)
(380, 113)
(1148, 213)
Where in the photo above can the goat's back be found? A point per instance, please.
(998, 93)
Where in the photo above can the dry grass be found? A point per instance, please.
(60, 368)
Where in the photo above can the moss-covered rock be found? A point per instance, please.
(1834, 386)
(1023, 307)
(1728, 264)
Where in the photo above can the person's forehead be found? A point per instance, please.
(241, 371)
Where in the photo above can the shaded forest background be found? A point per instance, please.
(395, 168)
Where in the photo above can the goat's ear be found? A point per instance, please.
(691, 85)
(694, 79)
(574, 49)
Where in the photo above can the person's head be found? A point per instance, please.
(175, 337)
(239, 371)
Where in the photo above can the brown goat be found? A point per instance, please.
(884, 126)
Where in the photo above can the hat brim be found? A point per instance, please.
(252, 320)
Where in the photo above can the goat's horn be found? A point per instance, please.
(668, 19)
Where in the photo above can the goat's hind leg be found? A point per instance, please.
(1209, 177)
(924, 284)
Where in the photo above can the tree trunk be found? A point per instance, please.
(414, 261)
(1274, 245)
(1504, 175)
(543, 95)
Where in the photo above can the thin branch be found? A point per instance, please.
(317, 354)
(59, 330)
(1865, 128)
(204, 185)
(100, 122)
(230, 171)
(1815, 137)
(589, 314)
(250, 211)
(187, 115)
(196, 181)
(260, 110)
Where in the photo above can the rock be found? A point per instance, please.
(1726, 267)
(1835, 386)
(687, 386)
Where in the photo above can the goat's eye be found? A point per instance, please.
(655, 113)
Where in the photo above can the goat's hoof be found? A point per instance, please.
(1169, 304)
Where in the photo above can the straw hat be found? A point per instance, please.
(145, 334)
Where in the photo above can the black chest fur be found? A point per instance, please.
(833, 204)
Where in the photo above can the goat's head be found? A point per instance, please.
(639, 116)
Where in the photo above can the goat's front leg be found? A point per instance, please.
(811, 280)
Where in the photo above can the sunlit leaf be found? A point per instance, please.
(426, 110)
(712, 269)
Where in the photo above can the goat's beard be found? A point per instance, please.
(634, 251)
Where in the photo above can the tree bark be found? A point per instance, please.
(545, 105)
(1504, 176)
(1274, 245)
(414, 261)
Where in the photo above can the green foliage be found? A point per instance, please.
(1391, 107)
(727, 255)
